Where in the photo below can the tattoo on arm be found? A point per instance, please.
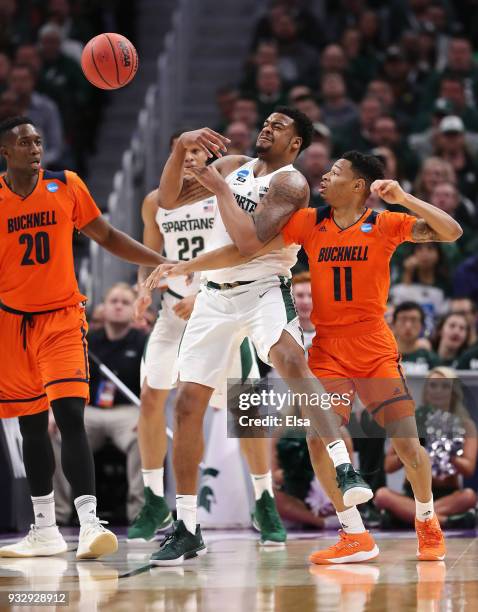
(288, 192)
(422, 232)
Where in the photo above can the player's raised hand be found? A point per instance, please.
(211, 142)
(209, 178)
(157, 276)
(141, 304)
(184, 307)
(389, 191)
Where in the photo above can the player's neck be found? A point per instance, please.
(266, 166)
(116, 331)
(21, 182)
(345, 217)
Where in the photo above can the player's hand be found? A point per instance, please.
(212, 143)
(141, 304)
(156, 278)
(209, 178)
(389, 191)
(184, 307)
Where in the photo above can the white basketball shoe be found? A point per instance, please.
(39, 542)
(95, 540)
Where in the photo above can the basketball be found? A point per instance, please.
(109, 61)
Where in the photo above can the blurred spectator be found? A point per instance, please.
(110, 413)
(4, 71)
(425, 280)
(434, 170)
(451, 338)
(59, 12)
(442, 391)
(226, 98)
(41, 110)
(97, 319)
(15, 25)
(69, 47)
(337, 108)
(322, 134)
(391, 169)
(302, 293)
(245, 111)
(468, 308)
(371, 32)
(30, 56)
(241, 139)
(385, 133)
(450, 145)
(297, 60)
(381, 89)
(266, 53)
(465, 281)
(314, 163)
(453, 89)
(8, 104)
(309, 106)
(269, 90)
(356, 135)
(396, 71)
(297, 92)
(408, 325)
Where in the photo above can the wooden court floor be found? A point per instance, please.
(238, 576)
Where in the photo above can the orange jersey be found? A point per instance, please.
(350, 268)
(36, 252)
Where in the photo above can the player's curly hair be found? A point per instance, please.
(12, 122)
(368, 167)
(303, 125)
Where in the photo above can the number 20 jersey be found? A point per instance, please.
(186, 231)
(36, 251)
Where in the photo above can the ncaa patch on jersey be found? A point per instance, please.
(52, 187)
(366, 228)
(243, 173)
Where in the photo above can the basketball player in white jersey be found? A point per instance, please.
(183, 233)
(251, 299)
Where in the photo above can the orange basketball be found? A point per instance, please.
(109, 61)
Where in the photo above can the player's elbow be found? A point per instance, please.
(453, 232)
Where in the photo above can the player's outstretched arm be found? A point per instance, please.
(120, 244)
(288, 192)
(433, 224)
(175, 189)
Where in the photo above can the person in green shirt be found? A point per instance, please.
(407, 325)
(451, 338)
(469, 359)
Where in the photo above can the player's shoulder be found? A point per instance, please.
(389, 220)
(151, 200)
(229, 163)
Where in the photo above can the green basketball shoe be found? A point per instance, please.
(179, 545)
(154, 516)
(266, 519)
(354, 488)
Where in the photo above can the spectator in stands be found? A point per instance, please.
(396, 70)
(110, 414)
(453, 89)
(333, 59)
(41, 110)
(297, 60)
(451, 338)
(467, 307)
(266, 53)
(30, 56)
(269, 90)
(226, 98)
(308, 105)
(297, 92)
(315, 162)
(381, 89)
(322, 134)
(434, 170)
(4, 71)
(356, 135)
(337, 108)
(69, 47)
(361, 61)
(14, 27)
(465, 279)
(8, 104)
(97, 319)
(385, 133)
(391, 168)
(302, 292)
(454, 506)
(425, 280)
(408, 325)
(245, 111)
(450, 145)
(59, 12)
(241, 139)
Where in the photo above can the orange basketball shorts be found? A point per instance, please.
(367, 364)
(43, 357)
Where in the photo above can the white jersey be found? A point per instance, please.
(186, 230)
(248, 191)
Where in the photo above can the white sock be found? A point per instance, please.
(85, 507)
(44, 510)
(261, 483)
(424, 510)
(351, 520)
(154, 479)
(338, 452)
(186, 508)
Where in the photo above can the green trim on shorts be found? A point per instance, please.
(247, 359)
(285, 287)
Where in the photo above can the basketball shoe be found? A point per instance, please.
(95, 540)
(179, 545)
(266, 519)
(354, 488)
(154, 516)
(351, 548)
(39, 542)
(431, 543)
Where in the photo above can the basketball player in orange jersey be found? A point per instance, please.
(349, 248)
(43, 350)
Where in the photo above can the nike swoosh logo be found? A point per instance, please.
(169, 213)
(263, 294)
(334, 444)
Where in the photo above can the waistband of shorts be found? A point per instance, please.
(29, 312)
(349, 331)
(226, 286)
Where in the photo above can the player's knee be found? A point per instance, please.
(409, 453)
(469, 497)
(149, 401)
(186, 408)
(292, 363)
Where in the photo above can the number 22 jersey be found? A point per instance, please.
(36, 231)
(350, 268)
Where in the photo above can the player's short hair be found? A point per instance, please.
(303, 125)
(8, 124)
(173, 137)
(367, 167)
(407, 307)
(301, 277)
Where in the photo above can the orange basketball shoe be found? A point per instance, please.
(351, 548)
(431, 543)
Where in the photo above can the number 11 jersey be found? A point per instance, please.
(350, 268)
(36, 232)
